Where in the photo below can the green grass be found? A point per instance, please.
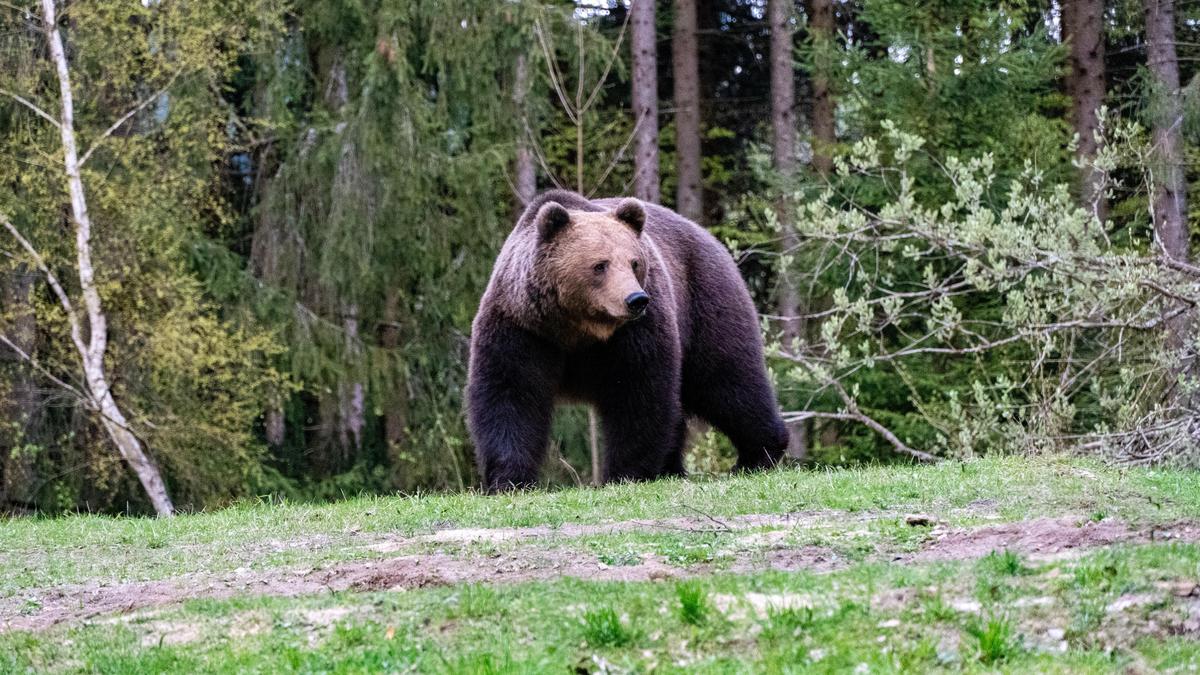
(994, 639)
(561, 625)
(1106, 610)
(603, 627)
(41, 552)
(1003, 563)
(694, 605)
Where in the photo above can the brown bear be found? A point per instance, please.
(630, 308)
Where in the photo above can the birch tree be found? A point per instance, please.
(88, 324)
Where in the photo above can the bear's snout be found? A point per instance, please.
(637, 302)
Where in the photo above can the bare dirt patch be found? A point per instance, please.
(1044, 538)
(43, 608)
(701, 523)
(37, 609)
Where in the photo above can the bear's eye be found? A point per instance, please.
(634, 264)
(600, 267)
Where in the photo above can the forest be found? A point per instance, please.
(243, 240)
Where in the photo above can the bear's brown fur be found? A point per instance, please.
(627, 307)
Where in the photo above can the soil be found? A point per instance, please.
(1047, 538)
(697, 524)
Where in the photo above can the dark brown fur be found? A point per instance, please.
(553, 327)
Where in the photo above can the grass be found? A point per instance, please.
(568, 624)
(1003, 563)
(994, 639)
(694, 605)
(1106, 610)
(41, 552)
(603, 628)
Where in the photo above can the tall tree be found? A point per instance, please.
(525, 183)
(89, 326)
(783, 144)
(395, 403)
(1083, 28)
(1166, 113)
(347, 191)
(644, 44)
(821, 32)
(20, 403)
(783, 147)
(686, 70)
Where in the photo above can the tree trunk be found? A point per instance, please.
(275, 425)
(1083, 27)
(20, 405)
(93, 351)
(347, 181)
(395, 414)
(643, 43)
(1169, 185)
(526, 173)
(267, 249)
(352, 396)
(820, 28)
(783, 146)
(689, 196)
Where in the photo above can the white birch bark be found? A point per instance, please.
(92, 351)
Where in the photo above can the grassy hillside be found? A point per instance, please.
(1008, 564)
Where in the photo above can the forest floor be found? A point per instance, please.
(996, 564)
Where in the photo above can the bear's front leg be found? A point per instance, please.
(643, 438)
(511, 385)
(640, 408)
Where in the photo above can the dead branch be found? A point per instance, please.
(29, 104)
(125, 118)
(63, 298)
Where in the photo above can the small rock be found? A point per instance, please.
(1184, 589)
(1042, 601)
(1126, 601)
(890, 623)
(966, 605)
(947, 656)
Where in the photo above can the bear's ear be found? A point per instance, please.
(632, 213)
(551, 218)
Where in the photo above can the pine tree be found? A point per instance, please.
(686, 75)
(644, 45)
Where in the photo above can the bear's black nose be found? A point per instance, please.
(636, 302)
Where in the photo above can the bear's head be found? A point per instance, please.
(596, 265)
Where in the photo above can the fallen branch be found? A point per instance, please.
(125, 118)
